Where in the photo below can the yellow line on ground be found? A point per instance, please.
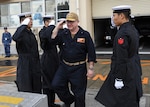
(4, 106)
(6, 66)
(6, 71)
(145, 64)
(145, 60)
(10, 100)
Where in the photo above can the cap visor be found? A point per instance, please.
(69, 19)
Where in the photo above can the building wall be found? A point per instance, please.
(103, 8)
(48, 8)
(11, 1)
(84, 9)
(88, 10)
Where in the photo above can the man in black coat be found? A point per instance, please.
(123, 86)
(28, 66)
(49, 59)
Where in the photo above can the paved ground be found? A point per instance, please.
(8, 73)
(90, 95)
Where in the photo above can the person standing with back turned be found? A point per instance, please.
(75, 46)
(28, 66)
(123, 86)
(49, 59)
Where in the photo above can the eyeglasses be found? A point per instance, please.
(70, 22)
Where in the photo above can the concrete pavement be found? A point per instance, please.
(101, 68)
(90, 95)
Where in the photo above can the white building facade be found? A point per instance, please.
(92, 13)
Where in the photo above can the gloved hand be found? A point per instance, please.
(26, 21)
(65, 26)
(52, 22)
(118, 83)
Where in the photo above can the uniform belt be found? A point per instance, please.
(74, 63)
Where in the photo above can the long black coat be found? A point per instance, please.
(125, 65)
(28, 66)
(49, 59)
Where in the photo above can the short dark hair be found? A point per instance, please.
(5, 27)
(126, 14)
(46, 19)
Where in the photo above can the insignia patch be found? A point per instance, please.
(81, 40)
(120, 41)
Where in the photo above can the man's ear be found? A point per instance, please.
(122, 15)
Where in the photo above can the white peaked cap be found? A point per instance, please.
(121, 8)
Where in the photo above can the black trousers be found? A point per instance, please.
(50, 96)
(75, 76)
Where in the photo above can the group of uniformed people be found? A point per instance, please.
(65, 72)
(56, 70)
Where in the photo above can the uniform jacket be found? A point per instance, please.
(49, 59)
(6, 38)
(126, 66)
(28, 66)
(78, 48)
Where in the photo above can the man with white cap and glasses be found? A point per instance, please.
(123, 86)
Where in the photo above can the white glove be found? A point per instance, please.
(26, 21)
(65, 26)
(52, 22)
(118, 83)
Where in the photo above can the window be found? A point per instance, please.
(14, 21)
(63, 5)
(4, 10)
(49, 7)
(9, 12)
(37, 12)
(14, 10)
(62, 8)
(4, 15)
(25, 7)
(4, 21)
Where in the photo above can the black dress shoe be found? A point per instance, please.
(66, 105)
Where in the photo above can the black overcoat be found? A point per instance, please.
(28, 66)
(49, 58)
(126, 66)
